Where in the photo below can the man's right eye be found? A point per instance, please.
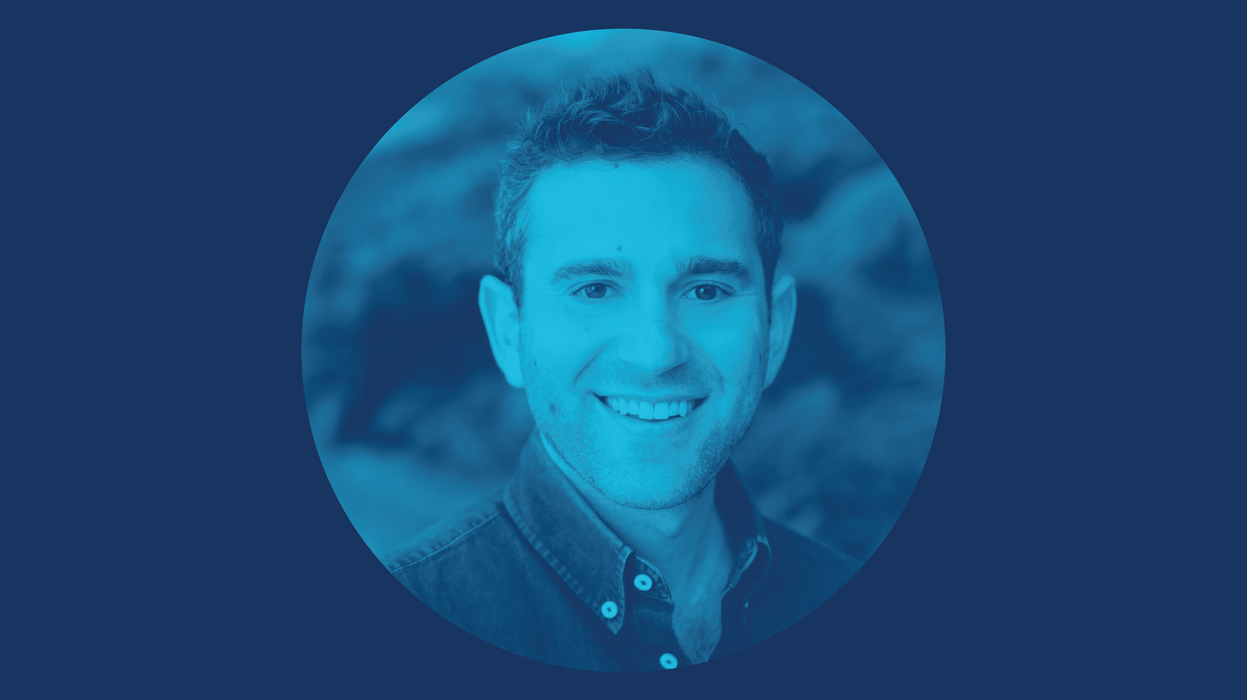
(597, 290)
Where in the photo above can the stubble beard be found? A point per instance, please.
(609, 474)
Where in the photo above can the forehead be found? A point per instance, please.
(643, 210)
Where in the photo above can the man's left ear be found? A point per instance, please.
(783, 314)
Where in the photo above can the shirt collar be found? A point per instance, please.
(590, 558)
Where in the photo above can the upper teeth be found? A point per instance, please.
(649, 411)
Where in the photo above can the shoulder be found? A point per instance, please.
(474, 544)
(792, 550)
(474, 559)
(457, 531)
(477, 570)
(805, 573)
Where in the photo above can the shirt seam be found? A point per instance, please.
(457, 539)
(573, 582)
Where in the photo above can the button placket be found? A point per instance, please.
(649, 581)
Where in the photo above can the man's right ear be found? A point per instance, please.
(502, 325)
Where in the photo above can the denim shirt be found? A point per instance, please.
(533, 570)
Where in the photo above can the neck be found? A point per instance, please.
(686, 542)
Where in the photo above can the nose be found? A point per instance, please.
(652, 339)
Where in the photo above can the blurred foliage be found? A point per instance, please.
(412, 418)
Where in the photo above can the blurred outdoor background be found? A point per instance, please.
(413, 420)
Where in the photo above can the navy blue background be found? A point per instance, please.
(169, 529)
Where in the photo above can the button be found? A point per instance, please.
(668, 661)
(746, 604)
(643, 582)
(609, 609)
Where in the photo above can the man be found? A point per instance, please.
(638, 308)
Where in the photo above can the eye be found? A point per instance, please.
(707, 292)
(597, 290)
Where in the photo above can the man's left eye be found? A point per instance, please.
(706, 292)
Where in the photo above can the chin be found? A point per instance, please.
(648, 499)
(644, 473)
(648, 486)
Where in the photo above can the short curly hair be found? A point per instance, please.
(627, 115)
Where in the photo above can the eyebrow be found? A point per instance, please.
(596, 267)
(689, 267)
(704, 265)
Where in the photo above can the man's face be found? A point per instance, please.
(643, 293)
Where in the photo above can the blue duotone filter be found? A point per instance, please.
(413, 415)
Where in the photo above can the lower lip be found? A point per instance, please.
(642, 424)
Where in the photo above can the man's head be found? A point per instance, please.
(627, 116)
(638, 232)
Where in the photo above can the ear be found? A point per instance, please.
(783, 314)
(502, 325)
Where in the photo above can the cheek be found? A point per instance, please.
(735, 348)
(554, 357)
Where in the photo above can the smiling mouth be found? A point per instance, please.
(650, 412)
